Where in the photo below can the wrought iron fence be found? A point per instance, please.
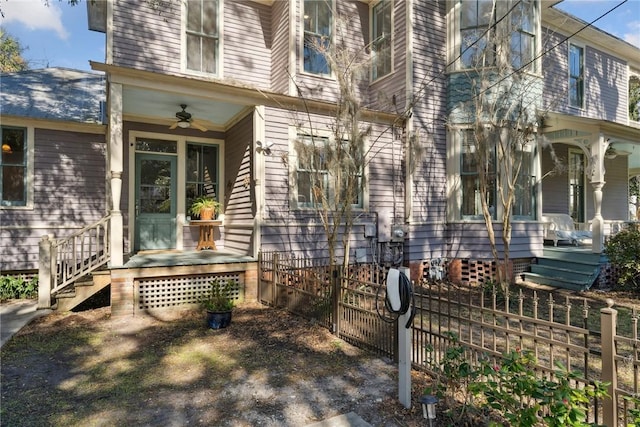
(584, 335)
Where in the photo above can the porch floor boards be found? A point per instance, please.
(183, 258)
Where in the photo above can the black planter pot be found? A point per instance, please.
(218, 319)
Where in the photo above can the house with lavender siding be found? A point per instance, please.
(212, 97)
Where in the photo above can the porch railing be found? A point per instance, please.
(66, 260)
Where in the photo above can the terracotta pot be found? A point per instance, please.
(206, 214)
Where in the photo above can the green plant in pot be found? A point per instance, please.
(205, 207)
(219, 303)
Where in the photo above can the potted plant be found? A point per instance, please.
(219, 304)
(205, 207)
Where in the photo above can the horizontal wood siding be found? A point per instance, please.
(471, 241)
(606, 82)
(429, 181)
(247, 43)
(300, 230)
(615, 193)
(69, 193)
(239, 206)
(555, 186)
(280, 47)
(386, 180)
(145, 38)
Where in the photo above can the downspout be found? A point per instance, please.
(259, 176)
(408, 123)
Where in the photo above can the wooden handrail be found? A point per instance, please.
(79, 254)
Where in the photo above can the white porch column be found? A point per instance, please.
(116, 155)
(598, 148)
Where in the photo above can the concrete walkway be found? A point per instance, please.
(16, 314)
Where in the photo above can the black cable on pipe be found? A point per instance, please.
(407, 301)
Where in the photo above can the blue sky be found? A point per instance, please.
(57, 35)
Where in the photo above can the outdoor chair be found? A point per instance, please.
(561, 228)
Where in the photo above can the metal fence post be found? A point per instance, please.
(274, 280)
(608, 322)
(336, 285)
(45, 275)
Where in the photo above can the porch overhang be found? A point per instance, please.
(623, 140)
(232, 98)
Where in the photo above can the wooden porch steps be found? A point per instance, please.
(71, 296)
(566, 268)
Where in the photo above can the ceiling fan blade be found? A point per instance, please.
(173, 126)
(198, 126)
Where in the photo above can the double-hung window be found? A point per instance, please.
(203, 36)
(13, 167)
(576, 76)
(523, 35)
(471, 182)
(318, 24)
(319, 178)
(312, 172)
(476, 18)
(524, 191)
(202, 172)
(381, 45)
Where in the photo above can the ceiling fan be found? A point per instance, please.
(185, 120)
(612, 152)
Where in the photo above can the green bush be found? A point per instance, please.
(623, 251)
(18, 287)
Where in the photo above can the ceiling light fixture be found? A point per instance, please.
(6, 148)
(184, 124)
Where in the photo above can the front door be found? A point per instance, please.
(155, 202)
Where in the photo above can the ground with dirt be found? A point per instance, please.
(269, 368)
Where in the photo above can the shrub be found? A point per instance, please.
(623, 251)
(18, 287)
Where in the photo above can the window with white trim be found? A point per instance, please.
(202, 175)
(203, 36)
(576, 76)
(316, 181)
(13, 166)
(381, 43)
(523, 35)
(470, 178)
(318, 22)
(476, 17)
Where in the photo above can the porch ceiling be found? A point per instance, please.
(153, 106)
(575, 131)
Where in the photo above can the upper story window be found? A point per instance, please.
(494, 33)
(203, 36)
(476, 17)
(576, 76)
(381, 47)
(523, 35)
(318, 24)
(13, 167)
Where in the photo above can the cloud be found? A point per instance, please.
(35, 16)
(633, 36)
